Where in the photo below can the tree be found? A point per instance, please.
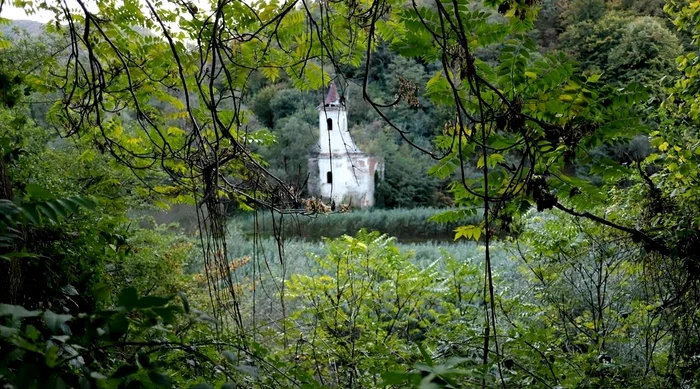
(624, 48)
(645, 7)
(295, 138)
(550, 24)
(647, 52)
(592, 42)
(578, 11)
(262, 108)
(406, 183)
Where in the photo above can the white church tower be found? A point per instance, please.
(345, 174)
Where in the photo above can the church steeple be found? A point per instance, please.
(345, 174)
(332, 99)
(334, 137)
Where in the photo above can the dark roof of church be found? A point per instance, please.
(332, 97)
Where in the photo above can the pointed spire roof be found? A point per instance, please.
(332, 98)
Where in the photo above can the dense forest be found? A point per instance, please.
(537, 220)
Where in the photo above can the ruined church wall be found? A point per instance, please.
(352, 181)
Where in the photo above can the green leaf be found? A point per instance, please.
(134, 384)
(32, 332)
(37, 192)
(118, 326)
(270, 72)
(17, 311)
(439, 90)
(427, 384)
(20, 255)
(397, 378)
(593, 78)
(426, 357)
(6, 332)
(58, 209)
(30, 213)
(493, 159)
(151, 301)
(128, 298)
(230, 356)
(168, 314)
(248, 370)
(55, 322)
(125, 371)
(82, 201)
(101, 291)
(185, 302)
(160, 379)
(66, 207)
(50, 214)
(144, 360)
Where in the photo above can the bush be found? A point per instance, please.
(367, 306)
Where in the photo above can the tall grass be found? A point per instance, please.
(262, 276)
(407, 225)
(297, 254)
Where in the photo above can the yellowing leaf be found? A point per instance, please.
(133, 141)
(663, 146)
(271, 73)
(175, 131)
(469, 232)
(162, 205)
(593, 78)
(493, 159)
(566, 98)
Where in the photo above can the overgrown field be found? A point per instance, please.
(261, 263)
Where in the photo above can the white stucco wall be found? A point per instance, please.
(339, 136)
(352, 171)
(353, 178)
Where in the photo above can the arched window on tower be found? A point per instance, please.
(329, 177)
(329, 124)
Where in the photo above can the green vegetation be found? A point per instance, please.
(407, 225)
(537, 226)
